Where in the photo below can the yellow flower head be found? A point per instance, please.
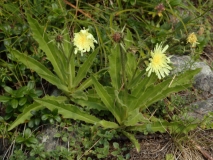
(192, 39)
(83, 41)
(159, 62)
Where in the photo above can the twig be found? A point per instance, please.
(89, 148)
(204, 153)
(79, 10)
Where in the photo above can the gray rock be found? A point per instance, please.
(47, 138)
(203, 80)
(202, 108)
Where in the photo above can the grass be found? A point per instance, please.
(136, 26)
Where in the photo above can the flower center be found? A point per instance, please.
(83, 39)
(157, 60)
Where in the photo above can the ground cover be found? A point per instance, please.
(95, 79)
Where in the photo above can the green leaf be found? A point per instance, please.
(31, 123)
(25, 115)
(133, 140)
(22, 101)
(131, 66)
(57, 135)
(45, 117)
(39, 68)
(20, 92)
(91, 103)
(106, 99)
(55, 112)
(116, 145)
(32, 140)
(37, 121)
(14, 103)
(128, 40)
(107, 124)
(68, 110)
(19, 139)
(57, 118)
(79, 95)
(134, 117)
(145, 82)
(49, 48)
(84, 68)
(184, 78)
(8, 90)
(4, 99)
(30, 85)
(164, 126)
(164, 93)
(115, 67)
(136, 79)
(67, 45)
(64, 139)
(88, 82)
(71, 71)
(27, 133)
(146, 97)
(154, 127)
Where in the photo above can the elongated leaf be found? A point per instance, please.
(108, 124)
(164, 126)
(152, 127)
(39, 68)
(162, 94)
(184, 78)
(163, 89)
(67, 45)
(133, 140)
(128, 40)
(131, 66)
(145, 82)
(135, 79)
(71, 71)
(135, 117)
(79, 95)
(25, 115)
(91, 103)
(88, 82)
(84, 68)
(68, 110)
(115, 67)
(169, 86)
(106, 99)
(49, 48)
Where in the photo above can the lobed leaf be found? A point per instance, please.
(106, 99)
(25, 115)
(39, 68)
(49, 48)
(154, 93)
(68, 110)
(133, 140)
(84, 68)
(115, 67)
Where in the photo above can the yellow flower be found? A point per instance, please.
(192, 39)
(159, 62)
(83, 41)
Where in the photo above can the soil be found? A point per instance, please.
(198, 146)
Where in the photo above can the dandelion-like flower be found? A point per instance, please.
(83, 41)
(192, 39)
(159, 62)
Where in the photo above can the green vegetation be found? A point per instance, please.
(97, 71)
